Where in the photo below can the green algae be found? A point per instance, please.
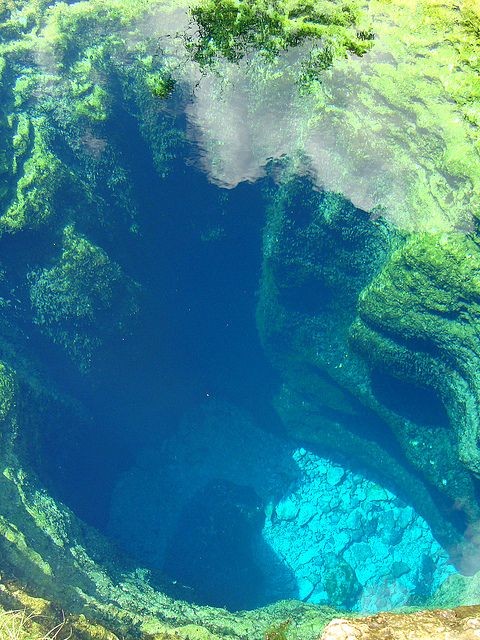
(82, 299)
(394, 129)
(279, 631)
(7, 391)
(160, 84)
(400, 87)
(419, 320)
(40, 178)
(230, 29)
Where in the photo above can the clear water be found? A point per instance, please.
(191, 468)
(211, 449)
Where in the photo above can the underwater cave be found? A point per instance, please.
(238, 362)
(194, 474)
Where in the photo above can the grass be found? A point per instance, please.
(20, 625)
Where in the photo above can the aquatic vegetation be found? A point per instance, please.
(160, 84)
(231, 29)
(421, 298)
(7, 391)
(39, 178)
(356, 134)
(278, 631)
(83, 299)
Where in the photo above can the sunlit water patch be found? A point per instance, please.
(352, 543)
(239, 518)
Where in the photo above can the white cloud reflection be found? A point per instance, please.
(378, 154)
(239, 124)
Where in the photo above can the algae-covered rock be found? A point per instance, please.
(419, 321)
(83, 299)
(7, 391)
(40, 174)
(230, 29)
(316, 273)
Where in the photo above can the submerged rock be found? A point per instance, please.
(311, 528)
(348, 549)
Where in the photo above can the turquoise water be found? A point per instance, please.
(265, 370)
(191, 468)
(249, 529)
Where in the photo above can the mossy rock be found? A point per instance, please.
(37, 186)
(422, 314)
(83, 299)
(7, 391)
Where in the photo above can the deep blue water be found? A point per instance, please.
(192, 471)
(197, 340)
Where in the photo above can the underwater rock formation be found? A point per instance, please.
(83, 299)
(360, 358)
(351, 543)
(299, 526)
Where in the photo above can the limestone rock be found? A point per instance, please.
(454, 624)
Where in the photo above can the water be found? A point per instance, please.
(252, 316)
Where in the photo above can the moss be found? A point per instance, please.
(33, 203)
(160, 84)
(24, 88)
(21, 139)
(419, 321)
(230, 29)
(7, 391)
(278, 631)
(94, 106)
(83, 299)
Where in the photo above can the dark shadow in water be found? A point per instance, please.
(212, 550)
(418, 404)
(197, 257)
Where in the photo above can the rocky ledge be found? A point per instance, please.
(462, 623)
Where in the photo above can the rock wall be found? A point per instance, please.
(372, 357)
